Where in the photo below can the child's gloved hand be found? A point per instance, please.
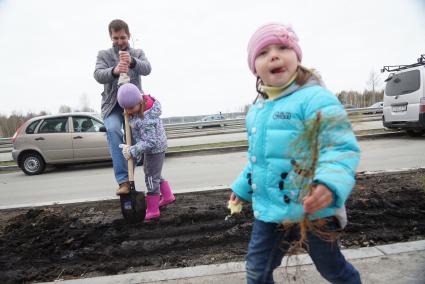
(234, 204)
(125, 151)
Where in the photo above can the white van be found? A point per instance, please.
(404, 97)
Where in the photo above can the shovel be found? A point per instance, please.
(133, 204)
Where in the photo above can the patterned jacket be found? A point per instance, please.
(268, 180)
(148, 133)
(106, 62)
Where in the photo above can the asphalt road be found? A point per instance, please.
(184, 173)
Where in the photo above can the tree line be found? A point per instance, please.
(9, 124)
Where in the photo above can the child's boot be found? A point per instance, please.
(152, 212)
(167, 196)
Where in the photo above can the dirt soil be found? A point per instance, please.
(92, 239)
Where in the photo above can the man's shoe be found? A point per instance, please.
(124, 188)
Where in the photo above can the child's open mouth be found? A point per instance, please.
(278, 70)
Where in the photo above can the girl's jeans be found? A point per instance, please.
(114, 125)
(269, 243)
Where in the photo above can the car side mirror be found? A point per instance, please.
(102, 129)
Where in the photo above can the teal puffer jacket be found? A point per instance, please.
(272, 127)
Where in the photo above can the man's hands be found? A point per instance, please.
(120, 68)
(124, 64)
(125, 57)
(125, 151)
(320, 197)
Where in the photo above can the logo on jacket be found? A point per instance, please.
(282, 115)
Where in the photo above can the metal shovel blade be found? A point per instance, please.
(133, 205)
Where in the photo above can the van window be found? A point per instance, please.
(403, 83)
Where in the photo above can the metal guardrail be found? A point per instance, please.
(190, 129)
(5, 141)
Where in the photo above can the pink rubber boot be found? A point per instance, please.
(152, 212)
(167, 196)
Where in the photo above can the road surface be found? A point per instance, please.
(184, 173)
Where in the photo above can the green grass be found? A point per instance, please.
(422, 183)
(208, 146)
(8, 163)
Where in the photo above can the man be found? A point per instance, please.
(110, 63)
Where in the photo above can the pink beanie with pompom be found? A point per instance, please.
(272, 33)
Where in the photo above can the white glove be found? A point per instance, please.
(125, 151)
(123, 79)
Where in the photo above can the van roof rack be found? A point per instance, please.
(392, 68)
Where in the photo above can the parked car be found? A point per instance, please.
(211, 121)
(59, 139)
(404, 97)
(349, 106)
(375, 108)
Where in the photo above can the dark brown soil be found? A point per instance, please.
(91, 239)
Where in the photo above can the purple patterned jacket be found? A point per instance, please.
(148, 133)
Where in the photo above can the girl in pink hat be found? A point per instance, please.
(290, 97)
(150, 141)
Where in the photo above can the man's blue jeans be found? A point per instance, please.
(269, 243)
(114, 130)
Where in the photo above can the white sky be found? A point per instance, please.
(197, 49)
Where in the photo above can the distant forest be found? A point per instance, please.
(9, 124)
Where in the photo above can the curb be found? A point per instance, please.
(9, 168)
(189, 190)
(184, 274)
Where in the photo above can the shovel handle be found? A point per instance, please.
(128, 142)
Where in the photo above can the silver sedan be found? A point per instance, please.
(59, 139)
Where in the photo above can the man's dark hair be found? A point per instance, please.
(118, 25)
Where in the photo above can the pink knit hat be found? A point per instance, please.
(272, 33)
(129, 95)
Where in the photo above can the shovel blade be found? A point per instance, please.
(133, 205)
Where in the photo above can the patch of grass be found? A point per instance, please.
(373, 131)
(208, 146)
(8, 163)
(422, 182)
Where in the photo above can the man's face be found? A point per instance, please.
(120, 39)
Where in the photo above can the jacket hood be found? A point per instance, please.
(155, 111)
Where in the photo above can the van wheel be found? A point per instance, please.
(415, 133)
(32, 164)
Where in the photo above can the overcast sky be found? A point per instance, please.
(197, 49)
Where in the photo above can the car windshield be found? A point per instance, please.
(403, 83)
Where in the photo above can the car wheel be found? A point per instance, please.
(199, 127)
(415, 133)
(222, 125)
(32, 164)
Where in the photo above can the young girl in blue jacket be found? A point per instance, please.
(150, 141)
(291, 96)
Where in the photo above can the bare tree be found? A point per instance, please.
(373, 82)
(85, 103)
(8, 125)
(64, 109)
